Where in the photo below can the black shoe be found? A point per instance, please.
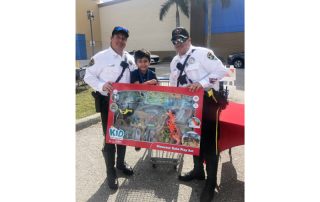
(208, 191)
(212, 169)
(198, 174)
(126, 169)
(121, 164)
(109, 158)
(112, 180)
(137, 148)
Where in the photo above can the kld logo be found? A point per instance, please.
(116, 134)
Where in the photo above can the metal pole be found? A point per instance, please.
(91, 36)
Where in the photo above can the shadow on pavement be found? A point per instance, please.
(230, 189)
(147, 184)
(162, 184)
(103, 193)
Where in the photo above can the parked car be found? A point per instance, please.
(236, 59)
(154, 58)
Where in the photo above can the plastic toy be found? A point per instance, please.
(157, 119)
(125, 112)
(175, 132)
(154, 117)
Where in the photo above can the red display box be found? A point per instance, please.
(155, 117)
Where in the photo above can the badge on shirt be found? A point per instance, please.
(191, 60)
(91, 62)
(130, 62)
(211, 56)
(111, 65)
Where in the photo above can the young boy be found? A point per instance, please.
(143, 75)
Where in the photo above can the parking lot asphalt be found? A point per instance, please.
(148, 183)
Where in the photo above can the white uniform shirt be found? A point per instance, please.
(106, 68)
(200, 67)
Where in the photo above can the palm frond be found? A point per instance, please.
(203, 4)
(225, 3)
(165, 8)
(184, 6)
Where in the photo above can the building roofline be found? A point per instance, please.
(111, 3)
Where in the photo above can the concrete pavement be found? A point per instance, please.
(148, 183)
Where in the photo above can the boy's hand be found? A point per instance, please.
(152, 82)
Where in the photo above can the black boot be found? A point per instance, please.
(212, 169)
(121, 164)
(109, 158)
(197, 172)
(137, 148)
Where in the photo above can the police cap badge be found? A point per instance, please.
(177, 31)
(180, 31)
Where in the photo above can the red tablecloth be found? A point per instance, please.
(231, 126)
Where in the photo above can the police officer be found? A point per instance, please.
(105, 68)
(195, 68)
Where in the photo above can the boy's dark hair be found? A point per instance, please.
(139, 54)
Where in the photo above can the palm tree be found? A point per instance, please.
(225, 4)
(202, 3)
(184, 7)
(182, 4)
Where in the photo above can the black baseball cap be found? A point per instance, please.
(123, 30)
(180, 31)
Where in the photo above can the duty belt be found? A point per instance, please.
(105, 98)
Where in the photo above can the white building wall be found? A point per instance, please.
(141, 18)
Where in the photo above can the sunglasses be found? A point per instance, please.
(180, 40)
(121, 28)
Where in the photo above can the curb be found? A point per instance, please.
(87, 121)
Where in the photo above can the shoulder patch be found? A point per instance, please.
(130, 62)
(211, 56)
(91, 62)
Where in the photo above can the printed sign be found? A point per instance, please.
(157, 117)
